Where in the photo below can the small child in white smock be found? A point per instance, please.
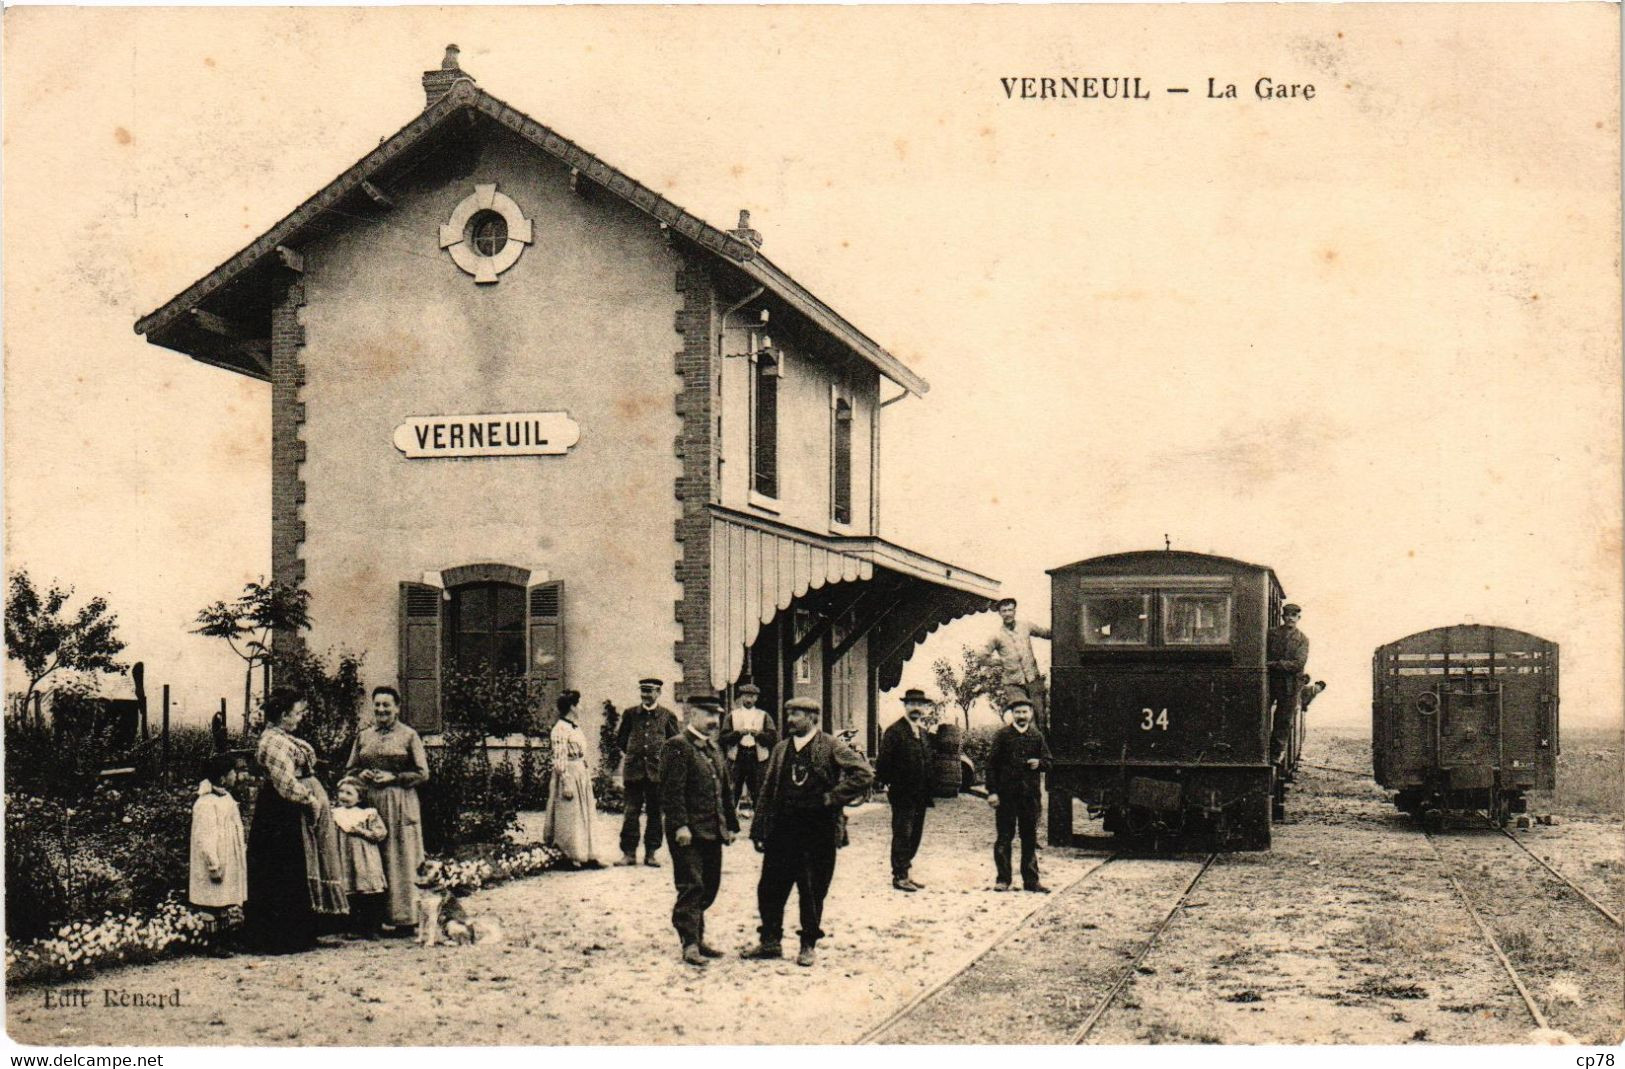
(218, 876)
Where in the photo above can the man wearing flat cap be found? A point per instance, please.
(799, 825)
(1015, 767)
(747, 741)
(904, 767)
(1010, 650)
(643, 731)
(1286, 653)
(696, 800)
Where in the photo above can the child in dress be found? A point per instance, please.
(218, 878)
(361, 829)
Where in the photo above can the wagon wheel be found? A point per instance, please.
(1433, 820)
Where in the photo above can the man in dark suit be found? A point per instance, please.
(799, 825)
(904, 766)
(696, 798)
(643, 731)
(1015, 769)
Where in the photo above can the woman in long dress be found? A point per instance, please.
(570, 802)
(390, 759)
(293, 852)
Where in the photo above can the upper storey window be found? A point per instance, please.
(841, 454)
(767, 367)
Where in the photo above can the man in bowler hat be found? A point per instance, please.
(643, 731)
(748, 737)
(799, 825)
(696, 799)
(1015, 768)
(904, 766)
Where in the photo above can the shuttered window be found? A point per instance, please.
(420, 656)
(484, 626)
(545, 626)
(764, 425)
(841, 451)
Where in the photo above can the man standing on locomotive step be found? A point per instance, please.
(643, 731)
(1015, 767)
(904, 767)
(1010, 650)
(747, 740)
(1286, 653)
(799, 825)
(697, 802)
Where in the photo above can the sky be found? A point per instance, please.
(1370, 339)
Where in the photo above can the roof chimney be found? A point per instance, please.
(437, 83)
(744, 232)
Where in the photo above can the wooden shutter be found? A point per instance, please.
(546, 660)
(843, 462)
(420, 656)
(766, 458)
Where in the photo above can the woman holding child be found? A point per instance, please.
(390, 759)
(293, 852)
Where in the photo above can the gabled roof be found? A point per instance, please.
(176, 325)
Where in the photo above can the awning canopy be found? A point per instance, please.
(759, 568)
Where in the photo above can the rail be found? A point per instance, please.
(1613, 918)
(1506, 963)
(918, 1000)
(1122, 981)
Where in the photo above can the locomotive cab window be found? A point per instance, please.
(1118, 619)
(1196, 619)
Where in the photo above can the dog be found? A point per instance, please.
(440, 912)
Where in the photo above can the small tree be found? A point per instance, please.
(45, 640)
(976, 678)
(248, 623)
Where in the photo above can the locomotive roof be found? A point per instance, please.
(1148, 557)
(1446, 629)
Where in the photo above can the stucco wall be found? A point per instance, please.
(584, 322)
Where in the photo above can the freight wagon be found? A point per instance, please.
(1464, 718)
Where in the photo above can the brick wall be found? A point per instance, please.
(696, 448)
(287, 449)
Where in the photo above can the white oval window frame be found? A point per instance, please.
(454, 234)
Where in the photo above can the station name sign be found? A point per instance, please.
(501, 434)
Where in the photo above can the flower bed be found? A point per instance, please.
(175, 929)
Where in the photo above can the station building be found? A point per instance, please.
(530, 416)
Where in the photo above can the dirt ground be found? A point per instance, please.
(592, 958)
(1346, 931)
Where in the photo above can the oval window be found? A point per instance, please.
(487, 232)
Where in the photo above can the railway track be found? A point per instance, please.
(1343, 771)
(1613, 918)
(1520, 982)
(874, 1034)
(1529, 1003)
(1128, 974)
(1080, 1033)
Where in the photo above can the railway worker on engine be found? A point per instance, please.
(904, 766)
(1015, 767)
(1287, 652)
(1010, 650)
